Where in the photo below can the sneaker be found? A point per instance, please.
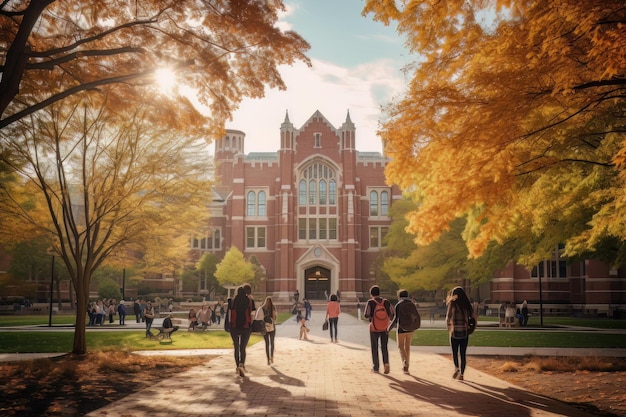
(456, 374)
(386, 368)
(460, 377)
(241, 370)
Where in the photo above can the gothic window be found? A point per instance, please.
(317, 189)
(379, 202)
(256, 203)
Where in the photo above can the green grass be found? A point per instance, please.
(513, 338)
(36, 319)
(47, 342)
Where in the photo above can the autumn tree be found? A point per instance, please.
(234, 269)
(514, 119)
(223, 49)
(99, 181)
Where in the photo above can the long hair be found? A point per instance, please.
(268, 304)
(458, 298)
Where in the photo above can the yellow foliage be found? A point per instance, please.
(516, 120)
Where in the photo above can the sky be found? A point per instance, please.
(357, 67)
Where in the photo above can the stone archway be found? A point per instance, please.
(317, 281)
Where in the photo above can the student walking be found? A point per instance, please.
(407, 320)
(379, 311)
(332, 315)
(458, 314)
(148, 314)
(267, 313)
(240, 320)
(121, 311)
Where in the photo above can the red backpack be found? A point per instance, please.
(380, 318)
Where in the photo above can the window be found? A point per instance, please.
(377, 236)
(379, 203)
(210, 241)
(553, 268)
(251, 211)
(318, 140)
(302, 193)
(256, 203)
(373, 203)
(261, 200)
(255, 237)
(317, 188)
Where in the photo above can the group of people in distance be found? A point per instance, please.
(382, 316)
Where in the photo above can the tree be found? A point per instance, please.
(514, 119)
(107, 288)
(223, 49)
(99, 181)
(234, 269)
(207, 266)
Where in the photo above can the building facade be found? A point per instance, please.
(314, 213)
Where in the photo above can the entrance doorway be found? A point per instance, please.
(317, 283)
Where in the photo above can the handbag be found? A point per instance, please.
(258, 326)
(325, 325)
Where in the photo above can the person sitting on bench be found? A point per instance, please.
(168, 327)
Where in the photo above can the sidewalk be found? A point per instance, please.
(319, 378)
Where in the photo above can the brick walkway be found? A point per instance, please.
(319, 378)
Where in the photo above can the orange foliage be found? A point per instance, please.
(510, 99)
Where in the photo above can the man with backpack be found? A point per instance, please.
(379, 311)
(407, 319)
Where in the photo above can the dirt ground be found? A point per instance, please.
(72, 387)
(596, 385)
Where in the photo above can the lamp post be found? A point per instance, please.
(51, 292)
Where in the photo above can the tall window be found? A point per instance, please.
(318, 140)
(256, 203)
(317, 188)
(379, 203)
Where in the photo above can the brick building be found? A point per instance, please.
(314, 213)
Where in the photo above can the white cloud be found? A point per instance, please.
(331, 89)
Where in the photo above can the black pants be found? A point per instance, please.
(384, 340)
(332, 326)
(459, 348)
(240, 342)
(269, 343)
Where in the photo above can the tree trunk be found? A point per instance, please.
(80, 332)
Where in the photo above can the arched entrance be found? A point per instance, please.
(316, 283)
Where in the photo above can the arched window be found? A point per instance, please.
(373, 203)
(261, 197)
(384, 203)
(302, 193)
(251, 203)
(323, 192)
(317, 189)
(312, 193)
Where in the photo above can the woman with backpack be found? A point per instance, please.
(240, 321)
(407, 319)
(459, 314)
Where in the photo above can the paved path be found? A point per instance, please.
(319, 378)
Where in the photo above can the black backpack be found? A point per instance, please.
(409, 318)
